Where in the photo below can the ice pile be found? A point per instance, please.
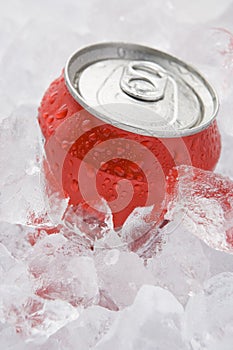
(60, 288)
(144, 287)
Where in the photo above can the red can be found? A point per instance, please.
(119, 118)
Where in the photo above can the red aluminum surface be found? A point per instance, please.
(89, 158)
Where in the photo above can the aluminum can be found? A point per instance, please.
(116, 121)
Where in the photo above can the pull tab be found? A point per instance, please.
(144, 80)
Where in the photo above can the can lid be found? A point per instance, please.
(141, 90)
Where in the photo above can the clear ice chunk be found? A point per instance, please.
(153, 321)
(120, 275)
(141, 231)
(60, 272)
(203, 202)
(208, 315)
(84, 332)
(20, 173)
(181, 265)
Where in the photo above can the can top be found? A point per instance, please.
(141, 90)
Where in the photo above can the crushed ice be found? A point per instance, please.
(60, 289)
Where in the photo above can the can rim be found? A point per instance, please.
(122, 44)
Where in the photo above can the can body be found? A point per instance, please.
(90, 158)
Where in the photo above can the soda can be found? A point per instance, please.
(116, 121)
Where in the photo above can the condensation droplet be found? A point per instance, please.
(119, 170)
(107, 180)
(50, 119)
(62, 112)
(74, 185)
(53, 97)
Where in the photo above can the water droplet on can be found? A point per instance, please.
(53, 97)
(74, 185)
(62, 112)
(119, 171)
(50, 119)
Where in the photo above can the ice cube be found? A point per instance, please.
(181, 266)
(141, 231)
(153, 321)
(25, 199)
(120, 275)
(208, 315)
(31, 316)
(219, 261)
(93, 323)
(93, 221)
(203, 202)
(61, 273)
(21, 154)
(12, 271)
(111, 240)
(36, 319)
(15, 239)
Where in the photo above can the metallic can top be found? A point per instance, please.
(141, 90)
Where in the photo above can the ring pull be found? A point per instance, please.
(144, 81)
